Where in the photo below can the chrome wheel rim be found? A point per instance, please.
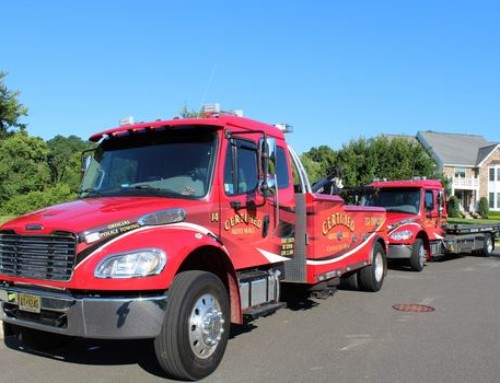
(489, 245)
(421, 256)
(379, 267)
(206, 326)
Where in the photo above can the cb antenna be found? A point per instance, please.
(207, 88)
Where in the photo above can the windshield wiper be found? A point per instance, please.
(89, 192)
(147, 188)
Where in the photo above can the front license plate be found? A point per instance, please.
(30, 303)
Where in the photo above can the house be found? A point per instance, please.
(472, 164)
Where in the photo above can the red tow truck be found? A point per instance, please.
(182, 227)
(417, 227)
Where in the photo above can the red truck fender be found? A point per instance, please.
(187, 246)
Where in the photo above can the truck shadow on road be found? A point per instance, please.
(403, 265)
(99, 353)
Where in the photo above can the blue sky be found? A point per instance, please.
(335, 70)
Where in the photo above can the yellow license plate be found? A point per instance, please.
(30, 303)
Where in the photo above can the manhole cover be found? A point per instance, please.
(413, 308)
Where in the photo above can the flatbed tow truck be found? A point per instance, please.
(417, 223)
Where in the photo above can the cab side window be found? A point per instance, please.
(282, 169)
(429, 200)
(240, 169)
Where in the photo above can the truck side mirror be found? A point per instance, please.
(86, 160)
(440, 198)
(268, 183)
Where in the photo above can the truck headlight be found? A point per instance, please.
(401, 235)
(134, 264)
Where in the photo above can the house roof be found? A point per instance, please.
(456, 149)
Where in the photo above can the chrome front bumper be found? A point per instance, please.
(399, 252)
(85, 316)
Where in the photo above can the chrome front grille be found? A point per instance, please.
(49, 257)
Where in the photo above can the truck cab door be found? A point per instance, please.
(248, 212)
(433, 209)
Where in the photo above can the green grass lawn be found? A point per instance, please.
(471, 221)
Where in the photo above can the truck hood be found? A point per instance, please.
(400, 218)
(86, 214)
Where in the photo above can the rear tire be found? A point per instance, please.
(488, 246)
(196, 326)
(417, 259)
(350, 282)
(371, 278)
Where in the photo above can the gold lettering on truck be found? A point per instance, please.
(245, 218)
(336, 219)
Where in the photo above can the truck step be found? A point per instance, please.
(265, 309)
(323, 294)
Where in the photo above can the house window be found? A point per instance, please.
(492, 174)
(498, 200)
(492, 200)
(459, 172)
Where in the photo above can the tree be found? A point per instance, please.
(363, 160)
(318, 162)
(23, 165)
(64, 159)
(10, 109)
(185, 112)
(383, 157)
(34, 200)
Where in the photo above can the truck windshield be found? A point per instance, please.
(174, 163)
(394, 200)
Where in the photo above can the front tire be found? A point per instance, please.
(371, 278)
(196, 326)
(417, 259)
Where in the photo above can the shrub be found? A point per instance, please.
(453, 207)
(484, 207)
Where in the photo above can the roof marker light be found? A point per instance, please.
(211, 109)
(214, 110)
(126, 121)
(285, 128)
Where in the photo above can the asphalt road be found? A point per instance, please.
(351, 337)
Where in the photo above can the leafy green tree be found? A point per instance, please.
(318, 162)
(64, 159)
(34, 200)
(23, 165)
(10, 109)
(355, 161)
(185, 112)
(363, 160)
(312, 168)
(383, 157)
